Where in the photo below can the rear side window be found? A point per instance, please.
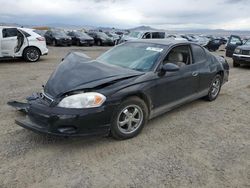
(199, 54)
(9, 32)
(25, 33)
(158, 35)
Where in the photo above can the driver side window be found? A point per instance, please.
(180, 56)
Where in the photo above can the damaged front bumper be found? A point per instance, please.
(64, 122)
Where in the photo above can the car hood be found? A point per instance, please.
(244, 47)
(77, 72)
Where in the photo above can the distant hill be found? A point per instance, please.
(142, 28)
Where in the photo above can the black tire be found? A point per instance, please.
(31, 54)
(214, 91)
(236, 64)
(54, 43)
(117, 131)
(99, 43)
(78, 43)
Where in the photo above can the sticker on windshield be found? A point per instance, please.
(154, 49)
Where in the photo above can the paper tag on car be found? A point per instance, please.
(154, 49)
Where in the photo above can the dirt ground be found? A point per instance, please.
(201, 144)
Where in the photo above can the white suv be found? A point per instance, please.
(21, 42)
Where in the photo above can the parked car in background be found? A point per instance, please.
(81, 38)
(213, 44)
(57, 38)
(117, 93)
(175, 37)
(21, 42)
(101, 38)
(135, 35)
(241, 55)
(40, 32)
(114, 36)
(233, 42)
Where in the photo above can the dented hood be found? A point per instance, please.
(77, 71)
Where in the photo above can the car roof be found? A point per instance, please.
(165, 42)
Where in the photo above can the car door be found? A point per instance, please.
(9, 41)
(233, 42)
(22, 42)
(174, 88)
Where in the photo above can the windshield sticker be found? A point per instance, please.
(154, 49)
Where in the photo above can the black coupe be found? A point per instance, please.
(121, 90)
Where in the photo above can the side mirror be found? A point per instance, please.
(170, 67)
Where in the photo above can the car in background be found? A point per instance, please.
(81, 38)
(18, 42)
(57, 38)
(241, 55)
(40, 32)
(233, 42)
(175, 37)
(135, 35)
(101, 38)
(114, 36)
(117, 93)
(214, 44)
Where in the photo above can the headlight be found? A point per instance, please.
(83, 100)
(237, 51)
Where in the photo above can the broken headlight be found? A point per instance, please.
(83, 100)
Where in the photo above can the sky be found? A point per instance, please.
(162, 14)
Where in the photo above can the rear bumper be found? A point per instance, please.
(242, 59)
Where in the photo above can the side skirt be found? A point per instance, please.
(168, 107)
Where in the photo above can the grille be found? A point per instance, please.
(245, 52)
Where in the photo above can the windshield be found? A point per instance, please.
(81, 34)
(247, 42)
(59, 33)
(101, 34)
(136, 56)
(135, 34)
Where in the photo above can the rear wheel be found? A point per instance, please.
(236, 63)
(31, 54)
(215, 88)
(99, 43)
(54, 42)
(129, 119)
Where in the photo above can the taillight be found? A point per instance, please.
(40, 38)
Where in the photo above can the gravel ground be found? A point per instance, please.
(201, 144)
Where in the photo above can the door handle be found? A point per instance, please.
(195, 73)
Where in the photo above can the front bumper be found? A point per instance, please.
(66, 122)
(242, 59)
(64, 42)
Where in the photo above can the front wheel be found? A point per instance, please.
(31, 54)
(215, 88)
(235, 64)
(129, 119)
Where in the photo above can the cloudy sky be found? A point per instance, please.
(164, 14)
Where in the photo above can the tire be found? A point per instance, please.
(78, 43)
(99, 43)
(31, 54)
(236, 64)
(124, 124)
(215, 88)
(54, 43)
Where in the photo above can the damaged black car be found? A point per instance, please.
(121, 90)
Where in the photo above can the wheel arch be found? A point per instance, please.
(141, 96)
(32, 47)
